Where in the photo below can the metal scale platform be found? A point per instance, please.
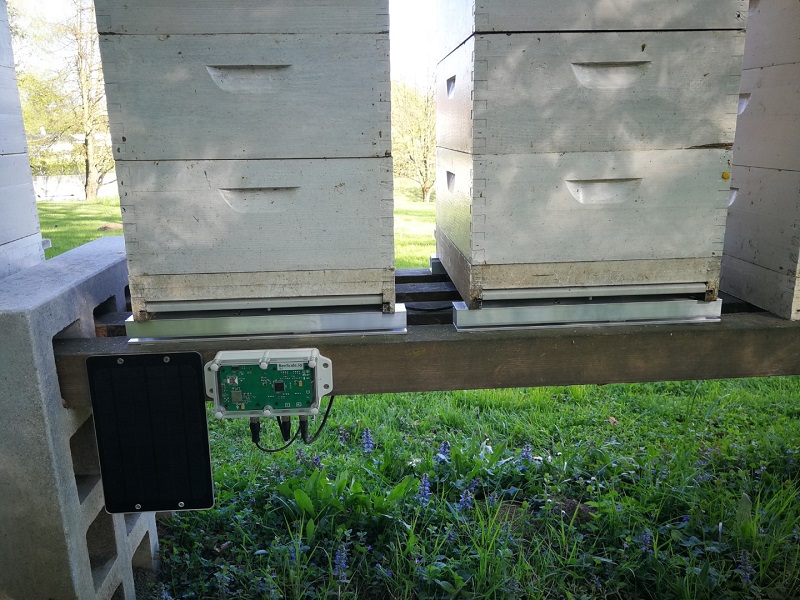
(264, 318)
(588, 306)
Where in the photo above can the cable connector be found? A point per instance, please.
(255, 430)
(304, 429)
(285, 423)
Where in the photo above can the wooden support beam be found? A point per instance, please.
(431, 358)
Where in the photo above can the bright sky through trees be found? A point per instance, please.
(412, 31)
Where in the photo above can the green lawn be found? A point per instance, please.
(668, 490)
(72, 224)
(414, 221)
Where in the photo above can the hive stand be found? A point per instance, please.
(56, 539)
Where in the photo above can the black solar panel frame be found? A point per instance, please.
(152, 431)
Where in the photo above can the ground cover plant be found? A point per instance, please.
(668, 490)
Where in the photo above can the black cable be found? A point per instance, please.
(324, 420)
(255, 431)
(255, 435)
(431, 309)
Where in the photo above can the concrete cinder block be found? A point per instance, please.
(52, 527)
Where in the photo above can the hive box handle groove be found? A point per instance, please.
(604, 191)
(744, 100)
(609, 75)
(248, 79)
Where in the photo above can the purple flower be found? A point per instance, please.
(340, 564)
(317, 462)
(424, 493)
(386, 572)
(646, 542)
(744, 569)
(527, 453)
(473, 485)
(444, 452)
(343, 436)
(367, 442)
(465, 502)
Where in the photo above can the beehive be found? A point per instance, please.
(570, 157)
(253, 150)
(20, 240)
(761, 261)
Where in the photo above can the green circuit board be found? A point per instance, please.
(282, 386)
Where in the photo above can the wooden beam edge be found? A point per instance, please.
(438, 358)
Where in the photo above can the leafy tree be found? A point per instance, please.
(64, 108)
(50, 126)
(414, 136)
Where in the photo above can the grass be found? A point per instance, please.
(72, 224)
(667, 490)
(414, 221)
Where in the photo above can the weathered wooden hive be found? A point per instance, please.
(252, 142)
(20, 240)
(585, 144)
(761, 260)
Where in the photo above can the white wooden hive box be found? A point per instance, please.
(458, 19)
(242, 16)
(228, 96)
(761, 261)
(773, 33)
(12, 132)
(212, 230)
(17, 205)
(20, 240)
(222, 118)
(562, 92)
(581, 219)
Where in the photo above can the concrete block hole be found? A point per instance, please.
(102, 546)
(107, 306)
(85, 460)
(143, 556)
(119, 593)
(131, 519)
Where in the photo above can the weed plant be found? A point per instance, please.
(670, 490)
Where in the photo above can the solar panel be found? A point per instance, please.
(152, 431)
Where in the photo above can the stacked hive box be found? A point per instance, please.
(761, 260)
(252, 142)
(585, 143)
(20, 240)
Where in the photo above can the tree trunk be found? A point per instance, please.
(91, 181)
(426, 193)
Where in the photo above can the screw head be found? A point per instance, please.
(181, 505)
(120, 361)
(137, 506)
(166, 359)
